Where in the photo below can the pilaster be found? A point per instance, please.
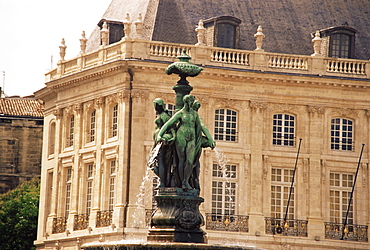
(315, 172)
(256, 218)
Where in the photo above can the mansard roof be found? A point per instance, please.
(287, 24)
(20, 107)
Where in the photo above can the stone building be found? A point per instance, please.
(21, 126)
(274, 72)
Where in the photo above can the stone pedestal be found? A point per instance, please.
(177, 217)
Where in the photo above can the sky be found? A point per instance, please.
(31, 32)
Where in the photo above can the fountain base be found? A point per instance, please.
(177, 217)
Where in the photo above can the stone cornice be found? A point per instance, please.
(80, 77)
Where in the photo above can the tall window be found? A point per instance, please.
(226, 35)
(51, 139)
(283, 130)
(112, 184)
(340, 191)
(224, 185)
(280, 188)
(70, 131)
(89, 187)
(68, 185)
(341, 134)
(225, 125)
(114, 121)
(92, 126)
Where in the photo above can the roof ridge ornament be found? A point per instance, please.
(62, 49)
(317, 40)
(127, 26)
(259, 38)
(83, 41)
(104, 34)
(201, 31)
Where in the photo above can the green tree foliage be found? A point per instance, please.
(18, 216)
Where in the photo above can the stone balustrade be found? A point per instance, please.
(211, 56)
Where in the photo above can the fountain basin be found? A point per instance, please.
(159, 246)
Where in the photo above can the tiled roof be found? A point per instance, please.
(17, 106)
(287, 24)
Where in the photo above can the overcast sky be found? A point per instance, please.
(31, 32)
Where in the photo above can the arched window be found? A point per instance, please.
(283, 130)
(341, 134)
(225, 125)
(340, 41)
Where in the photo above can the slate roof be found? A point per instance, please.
(287, 24)
(20, 107)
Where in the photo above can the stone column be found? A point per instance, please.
(137, 168)
(54, 196)
(118, 217)
(316, 170)
(256, 218)
(76, 166)
(99, 164)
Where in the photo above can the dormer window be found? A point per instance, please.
(339, 41)
(115, 30)
(222, 31)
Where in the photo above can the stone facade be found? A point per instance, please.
(99, 117)
(21, 125)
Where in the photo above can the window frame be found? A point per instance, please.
(340, 139)
(343, 206)
(340, 30)
(288, 141)
(212, 26)
(224, 128)
(70, 130)
(284, 192)
(224, 178)
(51, 138)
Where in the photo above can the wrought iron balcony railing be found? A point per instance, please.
(81, 221)
(148, 216)
(104, 218)
(337, 231)
(221, 222)
(286, 228)
(59, 225)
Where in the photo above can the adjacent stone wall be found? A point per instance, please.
(20, 147)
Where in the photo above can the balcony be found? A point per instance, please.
(260, 61)
(59, 225)
(337, 231)
(296, 228)
(104, 218)
(81, 221)
(232, 223)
